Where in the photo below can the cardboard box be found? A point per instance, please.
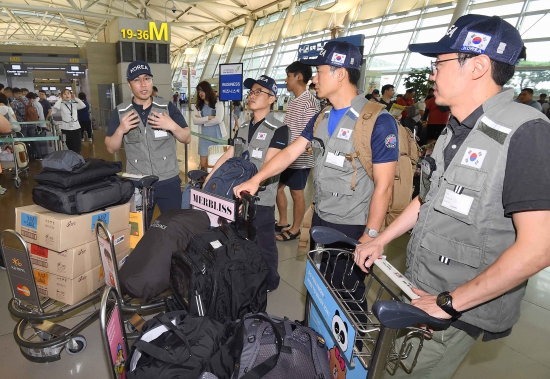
(70, 291)
(59, 232)
(76, 260)
(136, 228)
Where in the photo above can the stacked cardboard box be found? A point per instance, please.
(64, 250)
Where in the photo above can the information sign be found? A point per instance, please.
(231, 82)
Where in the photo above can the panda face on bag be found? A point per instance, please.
(340, 331)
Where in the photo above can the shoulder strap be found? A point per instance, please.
(363, 132)
(320, 118)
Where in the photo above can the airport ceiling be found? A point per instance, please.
(74, 22)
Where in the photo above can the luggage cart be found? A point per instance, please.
(128, 305)
(38, 333)
(13, 167)
(363, 327)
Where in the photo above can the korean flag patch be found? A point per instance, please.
(474, 157)
(476, 42)
(344, 133)
(261, 136)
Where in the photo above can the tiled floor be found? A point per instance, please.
(524, 354)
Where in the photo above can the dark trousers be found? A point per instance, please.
(167, 196)
(73, 140)
(85, 126)
(265, 224)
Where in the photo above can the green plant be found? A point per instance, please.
(418, 79)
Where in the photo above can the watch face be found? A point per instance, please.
(442, 300)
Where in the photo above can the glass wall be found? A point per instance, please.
(389, 26)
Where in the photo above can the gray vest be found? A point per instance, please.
(257, 148)
(335, 201)
(145, 153)
(462, 217)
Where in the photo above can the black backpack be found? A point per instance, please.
(221, 275)
(230, 174)
(176, 345)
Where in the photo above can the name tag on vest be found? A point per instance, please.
(457, 202)
(337, 160)
(257, 154)
(344, 133)
(261, 136)
(160, 133)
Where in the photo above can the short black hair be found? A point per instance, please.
(312, 85)
(31, 95)
(386, 87)
(8, 89)
(300, 68)
(500, 72)
(42, 91)
(1, 86)
(410, 90)
(16, 90)
(3, 99)
(543, 95)
(24, 89)
(528, 90)
(398, 96)
(155, 89)
(353, 74)
(82, 96)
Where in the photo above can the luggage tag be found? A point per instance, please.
(160, 133)
(257, 153)
(336, 159)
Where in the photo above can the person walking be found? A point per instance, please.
(68, 105)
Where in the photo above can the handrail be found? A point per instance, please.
(29, 139)
(213, 139)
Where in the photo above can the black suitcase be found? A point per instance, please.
(84, 198)
(222, 273)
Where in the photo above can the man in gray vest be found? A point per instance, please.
(355, 210)
(482, 217)
(261, 140)
(149, 128)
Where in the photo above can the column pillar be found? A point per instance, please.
(460, 10)
(282, 34)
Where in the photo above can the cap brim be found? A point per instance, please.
(431, 49)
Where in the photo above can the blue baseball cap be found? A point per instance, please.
(337, 54)
(264, 81)
(477, 34)
(137, 68)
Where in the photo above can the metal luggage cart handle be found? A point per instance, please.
(378, 336)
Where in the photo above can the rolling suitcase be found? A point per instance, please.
(20, 150)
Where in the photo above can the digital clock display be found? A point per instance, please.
(154, 33)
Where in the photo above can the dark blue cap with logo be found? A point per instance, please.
(264, 81)
(477, 34)
(337, 54)
(137, 68)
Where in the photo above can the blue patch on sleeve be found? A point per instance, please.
(384, 143)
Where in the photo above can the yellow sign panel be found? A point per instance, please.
(154, 33)
(15, 59)
(74, 60)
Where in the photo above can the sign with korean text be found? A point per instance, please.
(231, 82)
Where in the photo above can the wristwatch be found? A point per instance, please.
(445, 302)
(371, 233)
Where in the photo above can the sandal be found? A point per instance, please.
(279, 228)
(287, 236)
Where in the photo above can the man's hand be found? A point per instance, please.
(365, 238)
(128, 122)
(162, 121)
(249, 186)
(367, 253)
(428, 304)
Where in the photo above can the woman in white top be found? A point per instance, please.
(209, 115)
(68, 105)
(7, 112)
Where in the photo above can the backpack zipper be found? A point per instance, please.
(231, 186)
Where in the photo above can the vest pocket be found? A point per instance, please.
(334, 197)
(460, 194)
(445, 264)
(136, 163)
(164, 161)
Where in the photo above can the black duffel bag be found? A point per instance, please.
(92, 170)
(84, 198)
(176, 345)
(146, 272)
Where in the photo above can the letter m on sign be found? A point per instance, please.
(156, 34)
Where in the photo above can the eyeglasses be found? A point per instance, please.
(435, 63)
(145, 80)
(258, 91)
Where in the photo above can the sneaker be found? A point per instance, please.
(83, 140)
(91, 140)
